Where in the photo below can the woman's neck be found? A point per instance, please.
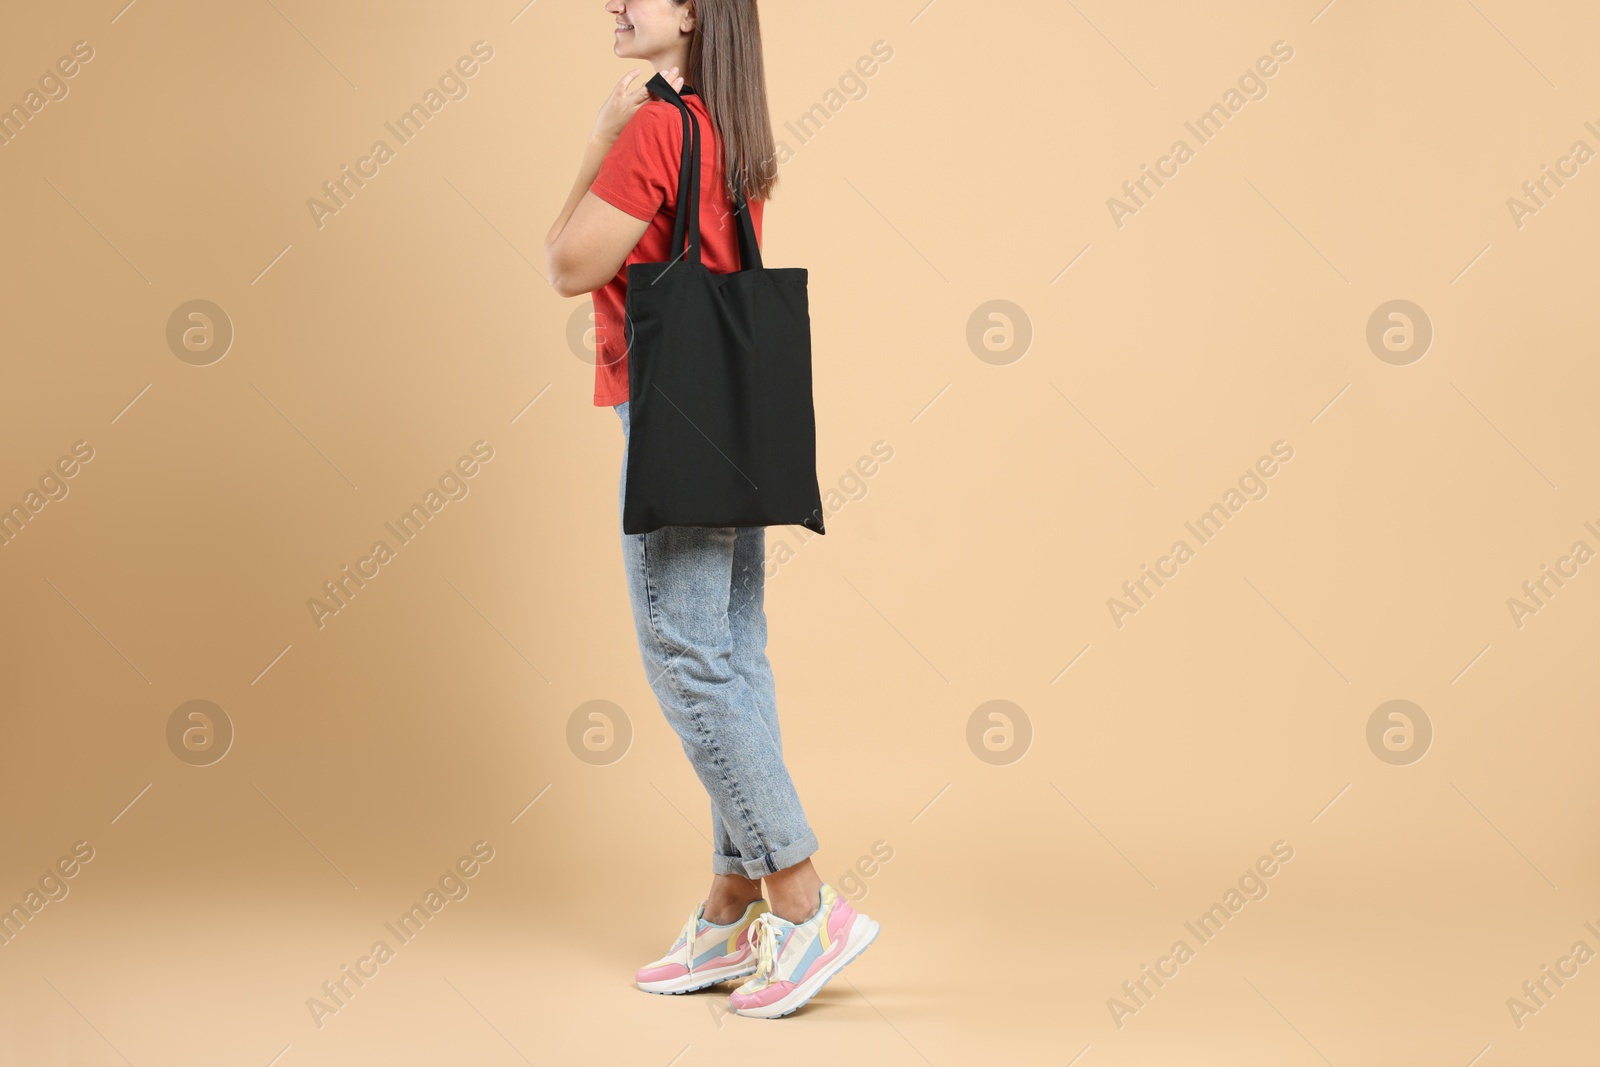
(677, 57)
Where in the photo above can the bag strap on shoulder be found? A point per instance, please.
(687, 223)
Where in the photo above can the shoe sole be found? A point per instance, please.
(861, 935)
(697, 980)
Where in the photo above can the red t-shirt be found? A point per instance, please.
(640, 176)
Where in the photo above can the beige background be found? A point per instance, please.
(1165, 756)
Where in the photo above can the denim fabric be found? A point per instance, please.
(697, 595)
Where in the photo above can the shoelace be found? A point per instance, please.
(764, 937)
(691, 930)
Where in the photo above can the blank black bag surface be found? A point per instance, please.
(721, 425)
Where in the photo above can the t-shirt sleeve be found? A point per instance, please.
(640, 172)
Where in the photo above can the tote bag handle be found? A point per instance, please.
(689, 188)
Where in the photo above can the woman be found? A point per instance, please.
(697, 592)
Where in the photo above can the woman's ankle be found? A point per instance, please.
(795, 893)
(723, 913)
(729, 898)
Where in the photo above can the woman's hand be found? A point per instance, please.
(623, 102)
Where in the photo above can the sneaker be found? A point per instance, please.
(704, 954)
(794, 960)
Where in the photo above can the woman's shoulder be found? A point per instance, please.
(656, 120)
(655, 109)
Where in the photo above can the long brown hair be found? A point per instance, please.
(726, 69)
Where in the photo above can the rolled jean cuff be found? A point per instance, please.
(721, 864)
(787, 856)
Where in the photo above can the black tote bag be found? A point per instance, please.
(721, 425)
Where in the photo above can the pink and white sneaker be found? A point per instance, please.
(794, 960)
(704, 954)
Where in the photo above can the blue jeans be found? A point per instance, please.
(697, 594)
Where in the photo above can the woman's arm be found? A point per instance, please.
(591, 239)
(594, 151)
